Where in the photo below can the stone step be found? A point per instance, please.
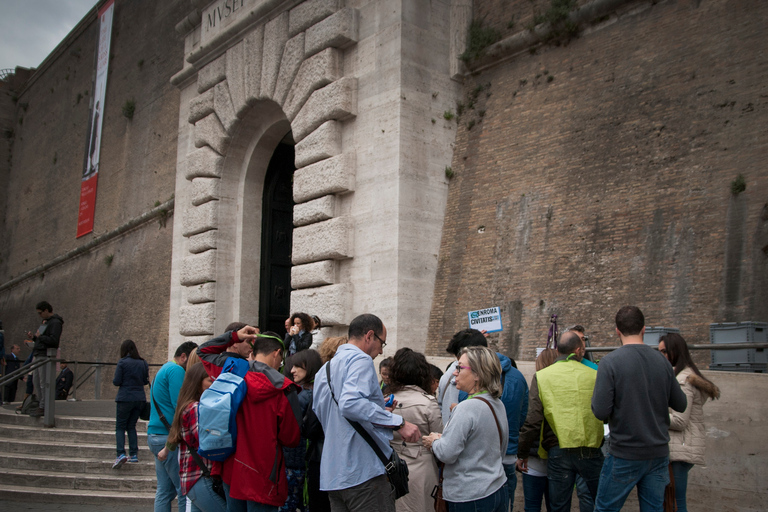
(64, 451)
(106, 424)
(63, 435)
(80, 465)
(114, 480)
(140, 501)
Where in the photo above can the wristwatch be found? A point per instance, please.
(400, 425)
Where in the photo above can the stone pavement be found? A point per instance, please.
(15, 506)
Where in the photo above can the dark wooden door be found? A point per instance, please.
(276, 241)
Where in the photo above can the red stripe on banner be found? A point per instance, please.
(105, 7)
(87, 206)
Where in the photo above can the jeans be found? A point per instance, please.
(496, 502)
(168, 484)
(40, 380)
(511, 484)
(127, 416)
(586, 500)
(680, 471)
(204, 498)
(234, 505)
(620, 476)
(534, 489)
(563, 464)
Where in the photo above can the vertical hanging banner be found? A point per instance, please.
(91, 163)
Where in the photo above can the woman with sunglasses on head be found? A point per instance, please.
(475, 438)
(687, 438)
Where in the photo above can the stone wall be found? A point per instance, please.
(120, 288)
(598, 173)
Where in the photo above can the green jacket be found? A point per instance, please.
(565, 390)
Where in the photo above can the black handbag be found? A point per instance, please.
(146, 410)
(396, 468)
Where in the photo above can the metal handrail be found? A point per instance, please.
(712, 346)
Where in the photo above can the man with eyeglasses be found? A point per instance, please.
(350, 470)
(47, 336)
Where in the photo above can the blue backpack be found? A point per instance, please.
(217, 425)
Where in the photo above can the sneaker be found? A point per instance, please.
(37, 413)
(119, 461)
(133, 459)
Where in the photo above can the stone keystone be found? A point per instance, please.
(323, 143)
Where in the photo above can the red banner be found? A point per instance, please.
(87, 205)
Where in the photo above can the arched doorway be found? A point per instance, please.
(276, 240)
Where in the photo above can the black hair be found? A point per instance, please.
(436, 372)
(410, 368)
(569, 343)
(630, 320)
(360, 326)
(128, 348)
(387, 362)
(309, 360)
(185, 348)
(678, 353)
(466, 338)
(235, 326)
(306, 321)
(44, 306)
(266, 343)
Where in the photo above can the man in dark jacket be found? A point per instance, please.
(12, 363)
(64, 382)
(47, 336)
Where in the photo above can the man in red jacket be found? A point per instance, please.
(268, 419)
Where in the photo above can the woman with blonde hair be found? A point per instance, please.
(330, 346)
(475, 439)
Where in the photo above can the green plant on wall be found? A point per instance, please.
(129, 107)
(479, 37)
(738, 185)
(108, 259)
(557, 15)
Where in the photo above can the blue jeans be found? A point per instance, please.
(511, 484)
(586, 500)
(205, 498)
(496, 502)
(563, 464)
(680, 471)
(168, 484)
(126, 418)
(620, 476)
(234, 505)
(534, 489)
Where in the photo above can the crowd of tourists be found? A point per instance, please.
(316, 430)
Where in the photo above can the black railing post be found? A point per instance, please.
(49, 418)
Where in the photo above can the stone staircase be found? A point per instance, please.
(72, 463)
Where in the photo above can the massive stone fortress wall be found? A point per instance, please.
(599, 173)
(119, 289)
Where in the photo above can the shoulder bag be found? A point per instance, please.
(396, 468)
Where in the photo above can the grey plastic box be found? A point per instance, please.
(738, 332)
(653, 334)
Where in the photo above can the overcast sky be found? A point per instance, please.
(31, 29)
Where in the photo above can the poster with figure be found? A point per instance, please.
(488, 319)
(91, 161)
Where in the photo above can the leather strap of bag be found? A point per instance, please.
(498, 427)
(357, 426)
(159, 412)
(198, 459)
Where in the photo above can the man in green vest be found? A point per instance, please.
(561, 395)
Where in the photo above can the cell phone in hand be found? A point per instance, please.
(390, 401)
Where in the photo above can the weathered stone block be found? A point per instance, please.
(198, 268)
(313, 274)
(332, 302)
(210, 132)
(222, 104)
(201, 293)
(314, 211)
(197, 319)
(204, 162)
(275, 37)
(308, 13)
(204, 190)
(253, 58)
(337, 102)
(339, 30)
(203, 241)
(293, 56)
(328, 240)
(332, 176)
(200, 106)
(322, 143)
(201, 218)
(314, 73)
(213, 73)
